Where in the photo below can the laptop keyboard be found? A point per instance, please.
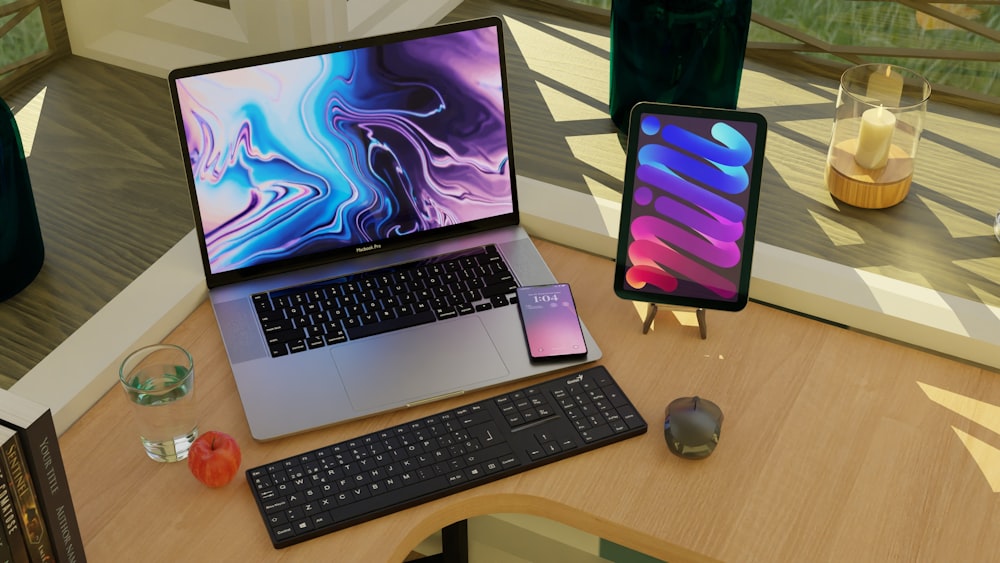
(360, 305)
(308, 495)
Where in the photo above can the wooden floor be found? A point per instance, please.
(106, 174)
(107, 178)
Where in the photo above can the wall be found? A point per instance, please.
(155, 36)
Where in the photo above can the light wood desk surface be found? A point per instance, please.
(830, 450)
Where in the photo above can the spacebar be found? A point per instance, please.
(390, 324)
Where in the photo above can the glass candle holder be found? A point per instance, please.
(877, 124)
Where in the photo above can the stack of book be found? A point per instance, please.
(37, 520)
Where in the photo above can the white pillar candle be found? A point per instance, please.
(875, 137)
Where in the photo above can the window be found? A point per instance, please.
(32, 34)
(954, 44)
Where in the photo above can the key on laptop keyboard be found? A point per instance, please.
(349, 482)
(379, 301)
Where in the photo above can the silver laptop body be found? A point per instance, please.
(330, 161)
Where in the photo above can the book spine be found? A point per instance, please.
(18, 550)
(41, 448)
(6, 553)
(22, 488)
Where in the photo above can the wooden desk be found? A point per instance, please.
(830, 450)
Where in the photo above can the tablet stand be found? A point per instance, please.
(654, 308)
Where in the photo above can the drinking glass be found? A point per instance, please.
(158, 381)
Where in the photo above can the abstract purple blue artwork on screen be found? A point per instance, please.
(347, 148)
(688, 218)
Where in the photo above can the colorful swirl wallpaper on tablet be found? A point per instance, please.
(347, 148)
(691, 190)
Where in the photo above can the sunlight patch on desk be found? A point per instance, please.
(982, 413)
(603, 191)
(897, 298)
(768, 82)
(813, 188)
(561, 61)
(898, 273)
(992, 301)
(27, 118)
(563, 107)
(945, 163)
(600, 41)
(684, 317)
(988, 268)
(839, 235)
(816, 130)
(595, 148)
(987, 415)
(977, 135)
(958, 224)
(987, 457)
(640, 312)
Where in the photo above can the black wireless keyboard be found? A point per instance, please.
(318, 492)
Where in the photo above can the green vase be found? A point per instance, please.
(21, 249)
(686, 52)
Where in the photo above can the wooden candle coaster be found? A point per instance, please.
(868, 188)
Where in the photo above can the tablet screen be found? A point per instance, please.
(689, 205)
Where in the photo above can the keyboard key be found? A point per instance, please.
(361, 331)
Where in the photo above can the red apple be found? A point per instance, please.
(214, 458)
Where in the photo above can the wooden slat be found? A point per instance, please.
(18, 15)
(17, 6)
(952, 18)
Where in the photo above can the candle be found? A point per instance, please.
(875, 137)
(886, 88)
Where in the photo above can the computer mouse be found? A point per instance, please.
(692, 426)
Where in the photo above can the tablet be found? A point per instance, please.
(689, 205)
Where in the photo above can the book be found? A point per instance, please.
(15, 550)
(36, 430)
(6, 554)
(24, 498)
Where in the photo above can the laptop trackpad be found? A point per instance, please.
(397, 368)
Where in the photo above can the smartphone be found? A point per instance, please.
(551, 324)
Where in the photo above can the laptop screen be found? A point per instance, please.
(347, 147)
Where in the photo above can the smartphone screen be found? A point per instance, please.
(551, 324)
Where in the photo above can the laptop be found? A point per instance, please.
(319, 172)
